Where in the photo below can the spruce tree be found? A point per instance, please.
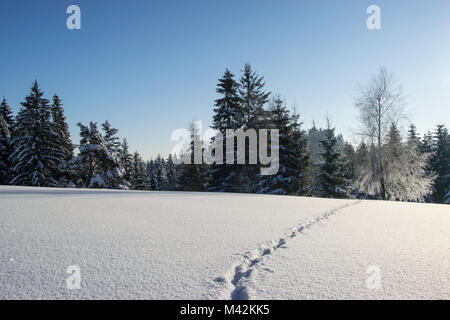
(227, 115)
(331, 180)
(138, 175)
(172, 174)
(413, 136)
(150, 176)
(95, 165)
(7, 114)
(253, 100)
(5, 151)
(126, 162)
(440, 162)
(110, 162)
(292, 177)
(61, 135)
(35, 151)
(112, 140)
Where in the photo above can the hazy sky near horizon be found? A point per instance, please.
(150, 67)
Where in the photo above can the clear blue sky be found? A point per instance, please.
(152, 66)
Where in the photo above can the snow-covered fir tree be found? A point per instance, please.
(61, 135)
(7, 122)
(35, 153)
(138, 174)
(150, 175)
(95, 166)
(227, 115)
(172, 174)
(331, 181)
(160, 181)
(292, 177)
(5, 151)
(440, 163)
(126, 162)
(110, 161)
(7, 114)
(253, 100)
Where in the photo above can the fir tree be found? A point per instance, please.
(150, 176)
(112, 140)
(331, 180)
(95, 165)
(110, 162)
(126, 162)
(172, 174)
(227, 115)
(35, 152)
(440, 163)
(138, 175)
(6, 113)
(5, 151)
(61, 135)
(292, 177)
(253, 99)
(413, 136)
(426, 144)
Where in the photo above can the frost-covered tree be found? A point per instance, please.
(292, 177)
(35, 153)
(405, 175)
(380, 103)
(332, 182)
(440, 163)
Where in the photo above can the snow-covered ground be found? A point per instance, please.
(168, 245)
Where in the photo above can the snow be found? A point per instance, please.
(169, 245)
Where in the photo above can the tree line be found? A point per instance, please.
(36, 149)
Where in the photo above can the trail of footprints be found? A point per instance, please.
(243, 271)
